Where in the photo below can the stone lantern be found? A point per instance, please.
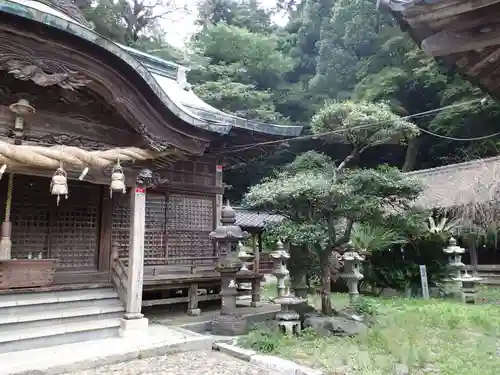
(455, 264)
(245, 256)
(280, 257)
(352, 275)
(287, 319)
(227, 236)
(469, 287)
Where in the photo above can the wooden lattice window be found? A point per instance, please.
(68, 233)
(154, 241)
(121, 223)
(30, 216)
(74, 227)
(190, 219)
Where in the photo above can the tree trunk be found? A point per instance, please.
(473, 256)
(411, 154)
(326, 304)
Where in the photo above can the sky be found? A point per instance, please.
(179, 26)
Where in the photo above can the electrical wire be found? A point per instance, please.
(367, 126)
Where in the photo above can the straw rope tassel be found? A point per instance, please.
(8, 202)
(5, 242)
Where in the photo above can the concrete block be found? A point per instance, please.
(133, 327)
(235, 351)
(282, 366)
(194, 312)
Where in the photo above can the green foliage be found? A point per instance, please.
(263, 340)
(367, 238)
(398, 267)
(425, 335)
(362, 124)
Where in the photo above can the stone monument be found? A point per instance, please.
(227, 236)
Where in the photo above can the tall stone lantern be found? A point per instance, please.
(226, 237)
(280, 256)
(352, 274)
(454, 253)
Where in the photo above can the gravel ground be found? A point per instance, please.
(189, 363)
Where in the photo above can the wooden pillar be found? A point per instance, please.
(219, 197)
(256, 286)
(193, 309)
(256, 253)
(133, 321)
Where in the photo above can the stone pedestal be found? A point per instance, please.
(133, 327)
(287, 319)
(289, 322)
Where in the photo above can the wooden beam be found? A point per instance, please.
(485, 62)
(464, 21)
(447, 43)
(434, 12)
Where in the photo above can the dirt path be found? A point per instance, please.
(189, 363)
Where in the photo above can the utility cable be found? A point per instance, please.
(367, 126)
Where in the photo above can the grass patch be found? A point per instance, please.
(434, 336)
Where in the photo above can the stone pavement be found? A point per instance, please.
(187, 363)
(66, 358)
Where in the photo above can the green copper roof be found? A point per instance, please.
(166, 79)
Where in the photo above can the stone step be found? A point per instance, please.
(40, 317)
(31, 299)
(57, 306)
(59, 334)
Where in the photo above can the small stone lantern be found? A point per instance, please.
(469, 287)
(352, 275)
(280, 256)
(455, 264)
(227, 236)
(245, 257)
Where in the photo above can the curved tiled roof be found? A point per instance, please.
(254, 220)
(166, 80)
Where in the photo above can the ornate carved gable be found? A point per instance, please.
(82, 104)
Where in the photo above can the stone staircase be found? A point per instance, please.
(31, 320)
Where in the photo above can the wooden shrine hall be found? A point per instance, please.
(111, 166)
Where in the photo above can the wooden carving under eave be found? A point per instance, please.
(447, 43)
(25, 71)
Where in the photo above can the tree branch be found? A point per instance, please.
(349, 157)
(347, 234)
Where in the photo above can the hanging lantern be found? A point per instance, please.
(59, 184)
(117, 180)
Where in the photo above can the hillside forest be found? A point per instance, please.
(325, 51)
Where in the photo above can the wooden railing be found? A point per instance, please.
(119, 275)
